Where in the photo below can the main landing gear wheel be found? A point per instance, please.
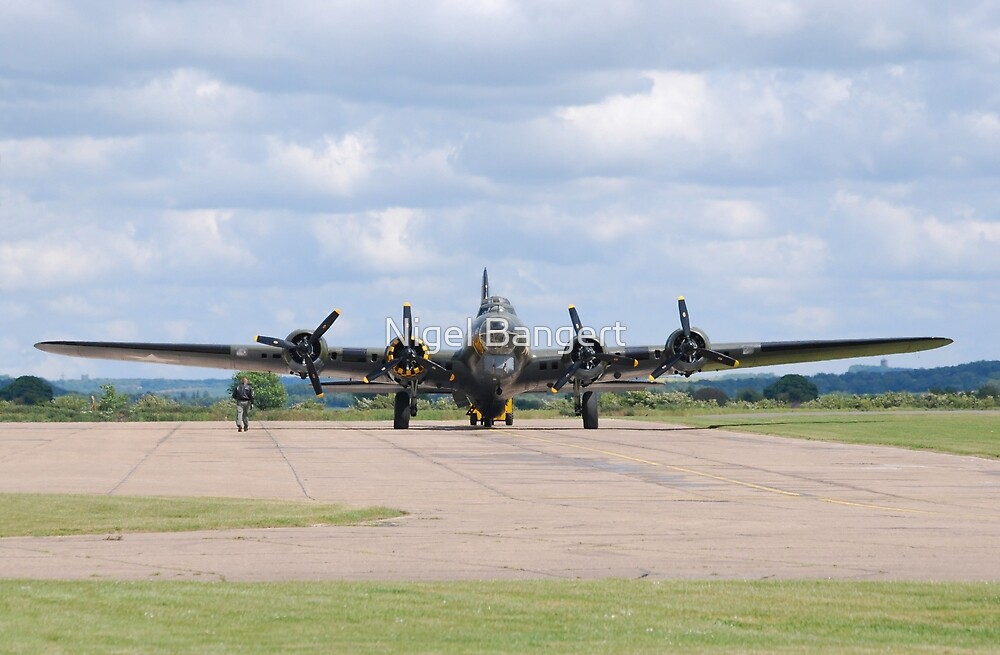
(401, 411)
(509, 420)
(472, 420)
(487, 421)
(589, 410)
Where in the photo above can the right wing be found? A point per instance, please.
(343, 362)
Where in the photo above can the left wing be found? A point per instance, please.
(688, 350)
(548, 367)
(795, 352)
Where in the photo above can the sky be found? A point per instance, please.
(203, 172)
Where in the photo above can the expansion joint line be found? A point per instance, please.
(291, 468)
(145, 458)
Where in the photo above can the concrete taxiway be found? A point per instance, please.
(544, 499)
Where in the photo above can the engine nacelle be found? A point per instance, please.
(296, 364)
(403, 365)
(586, 348)
(690, 362)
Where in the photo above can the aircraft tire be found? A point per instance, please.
(401, 411)
(472, 420)
(509, 420)
(589, 410)
(488, 422)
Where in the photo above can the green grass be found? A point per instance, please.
(23, 515)
(498, 617)
(962, 433)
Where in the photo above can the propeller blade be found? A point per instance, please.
(561, 382)
(685, 321)
(407, 324)
(276, 342)
(303, 348)
(665, 366)
(717, 356)
(609, 358)
(314, 377)
(574, 317)
(324, 326)
(377, 373)
(432, 364)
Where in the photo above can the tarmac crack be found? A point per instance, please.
(144, 459)
(456, 472)
(814, 496)
(288, 462)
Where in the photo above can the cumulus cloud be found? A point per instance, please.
(388, 240)
(37, 157)
(182, 99)
(913, 243)
(68, 259)
(675, 107)
(334, 166)
(747, 153)
(792, 258)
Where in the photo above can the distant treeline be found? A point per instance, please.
(964, 377)
(866, 381)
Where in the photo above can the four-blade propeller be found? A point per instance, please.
(688, 348)
(406, 355)
(588, 352)
(306, 348)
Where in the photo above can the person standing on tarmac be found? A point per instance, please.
(243, 395)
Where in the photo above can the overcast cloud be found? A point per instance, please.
(203, 172)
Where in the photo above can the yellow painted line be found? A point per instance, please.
(679, 469)
(741, 483)
(720, 478)
(870, 506)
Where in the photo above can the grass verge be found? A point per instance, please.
(960, 433)
(36, 515)
(499, 617)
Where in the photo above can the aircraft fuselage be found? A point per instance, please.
(496, 351)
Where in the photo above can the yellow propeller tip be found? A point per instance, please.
(337, 312)
(553, 390)
(319, 395)
(406, 304)
(652, 379)
(635, 363)
(680, 297)
(367, 381)
(572, 306)
(452, 378)
(737, 364)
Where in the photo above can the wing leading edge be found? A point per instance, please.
(796, 352)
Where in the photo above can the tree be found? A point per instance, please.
(111, 400)
(706, 394)
(989, 390)
(793, 389)
(27, 390)
(268, 392)
(749, 395)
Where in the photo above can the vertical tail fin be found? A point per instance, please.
(486, 286)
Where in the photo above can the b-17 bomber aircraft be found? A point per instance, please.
(495, 363)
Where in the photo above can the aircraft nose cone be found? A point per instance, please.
(498, 367)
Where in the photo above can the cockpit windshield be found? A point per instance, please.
(497, 304)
